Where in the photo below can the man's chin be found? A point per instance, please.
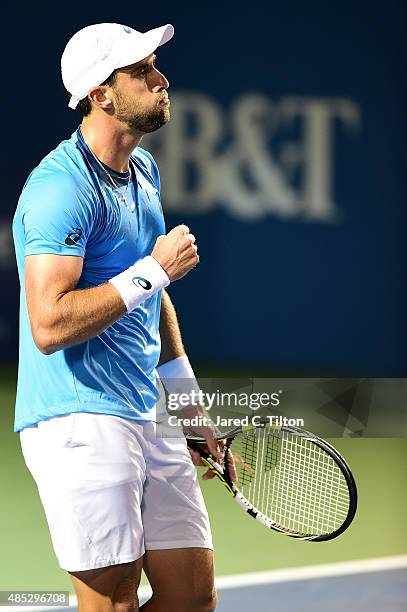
(165, 116)
(160, 121)
(146, 125)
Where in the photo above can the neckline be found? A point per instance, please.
(115, 173)
(122, 177)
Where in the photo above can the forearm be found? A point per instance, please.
(79, 315)
(180, 379)
(62, 315)
(171, 340)
(82, 314)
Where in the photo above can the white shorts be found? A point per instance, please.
(111, 489)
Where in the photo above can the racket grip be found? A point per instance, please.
(207, 459)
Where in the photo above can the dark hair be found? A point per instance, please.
(85, 105)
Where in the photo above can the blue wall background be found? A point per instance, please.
(278, 284)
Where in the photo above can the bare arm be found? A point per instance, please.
(62, 315)
(171, 341)
(171, 348)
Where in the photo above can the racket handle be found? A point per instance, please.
(207, 459)
(212, 463)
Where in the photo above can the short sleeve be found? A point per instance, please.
(55, 216)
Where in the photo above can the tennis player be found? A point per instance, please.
(94, 260)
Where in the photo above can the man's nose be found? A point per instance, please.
(162, 81)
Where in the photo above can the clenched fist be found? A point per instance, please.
(176, 252)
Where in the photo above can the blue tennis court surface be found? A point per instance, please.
(372, 585)
(373, 592)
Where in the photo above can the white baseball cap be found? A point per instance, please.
(93, 53)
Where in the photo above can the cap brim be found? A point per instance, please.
(151, 39)
(164, 33)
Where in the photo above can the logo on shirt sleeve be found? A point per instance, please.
(74, 236)
(142, 282)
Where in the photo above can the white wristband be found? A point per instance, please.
(179, 379)
(140, 282)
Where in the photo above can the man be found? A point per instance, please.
(93, 261)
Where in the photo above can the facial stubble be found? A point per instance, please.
(138, 118)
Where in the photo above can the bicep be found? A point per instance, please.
(47, 278)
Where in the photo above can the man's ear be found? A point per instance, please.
(97, 95)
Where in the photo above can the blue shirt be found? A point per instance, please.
(68, 206)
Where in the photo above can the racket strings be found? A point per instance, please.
(292, 481)
(247, 452)
(311, 487)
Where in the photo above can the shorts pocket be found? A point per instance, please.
(109, 518)
(56, 432)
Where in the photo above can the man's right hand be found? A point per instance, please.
(176, 252)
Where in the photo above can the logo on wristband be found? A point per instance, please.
(142, 282)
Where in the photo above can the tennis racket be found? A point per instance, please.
(288, 480)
